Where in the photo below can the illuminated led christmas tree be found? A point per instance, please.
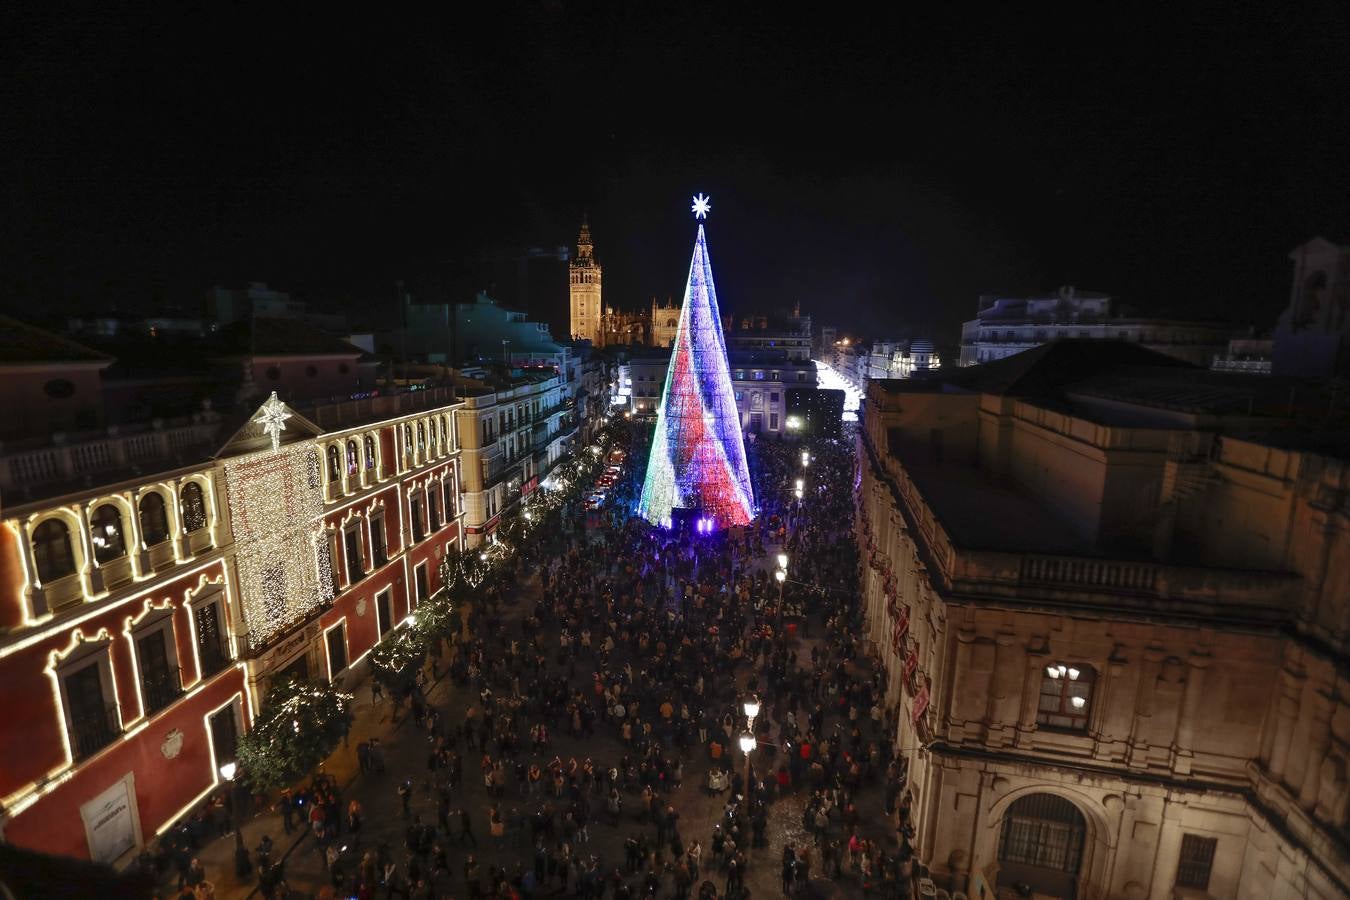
(697, 459)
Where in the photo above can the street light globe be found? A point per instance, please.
(747, 743)
(751, 708)
(800, 484)
(227, 771)
(798, 493)
(780, 575)
(782, 560)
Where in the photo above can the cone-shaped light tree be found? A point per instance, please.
(697, 458)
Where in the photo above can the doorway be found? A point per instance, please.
(1041, 845)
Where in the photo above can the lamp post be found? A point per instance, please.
(227, 772)
(781, 575)
(747, 744)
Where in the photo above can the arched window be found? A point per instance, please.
(1042, 844)
(52, 551)
(334, 463)
(445, 440)
(194, 507)
(154, 520)
(106, 533)
(352, 463)
(407, 440)
(370, 452)
(421, 438)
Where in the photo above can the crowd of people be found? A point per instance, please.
(604, 708)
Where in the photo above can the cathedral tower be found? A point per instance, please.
(584, 289)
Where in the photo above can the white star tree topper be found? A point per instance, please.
(273, 419)
(701, 206)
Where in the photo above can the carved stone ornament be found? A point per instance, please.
(361, 606)
(173, 744)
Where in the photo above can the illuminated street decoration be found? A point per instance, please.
(702, 205)
(697, 459)
(276, 506)
(273, 419)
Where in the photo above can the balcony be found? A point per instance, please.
(91, 731)
(118, 452)
(213, 658)
(159, 689)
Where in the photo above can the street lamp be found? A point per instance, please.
(227, 772)
(751, 707)
(747, 744)
(782, 561)
(806, 458)
(800, 484)
(781, 576)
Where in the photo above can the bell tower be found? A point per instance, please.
(584, 289)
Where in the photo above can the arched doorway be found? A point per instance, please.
(1041, 845)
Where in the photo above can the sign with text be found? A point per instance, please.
(110, 822)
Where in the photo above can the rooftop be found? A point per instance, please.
(23, 344)
(980, 514)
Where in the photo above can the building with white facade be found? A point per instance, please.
(1004, 326)
(511, 435)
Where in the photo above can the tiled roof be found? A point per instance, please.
(21, 343)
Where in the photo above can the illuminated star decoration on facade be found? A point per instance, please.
(273, 419)
(701, 206)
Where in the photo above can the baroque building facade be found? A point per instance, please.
(1115, 628)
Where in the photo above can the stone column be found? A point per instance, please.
(1137, 755)
(1183, 749)
(37, 594)
(965, 637)
(1319, 735)
(1031, 699)
(1004, 689)
(1286, 714)
(1166, 855)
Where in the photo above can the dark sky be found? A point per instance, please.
(883, 169)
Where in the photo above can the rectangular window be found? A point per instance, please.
(773, 396)
(418, 527)
(1065, 698)
(160, 682)
(212, 648)
(91, 714)
(383, 613)
(448, 486)
(773, 421)
(420, 577)
(337, 649)
(1197, 858)
(377, 544)
(434, 507)
(759, 374)
(351, 545)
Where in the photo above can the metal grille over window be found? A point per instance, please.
(211, 649)
(1045, 831)
(1197, 858)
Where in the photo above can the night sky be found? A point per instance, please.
(883, 171)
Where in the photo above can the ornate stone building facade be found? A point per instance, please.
(1115, 629)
